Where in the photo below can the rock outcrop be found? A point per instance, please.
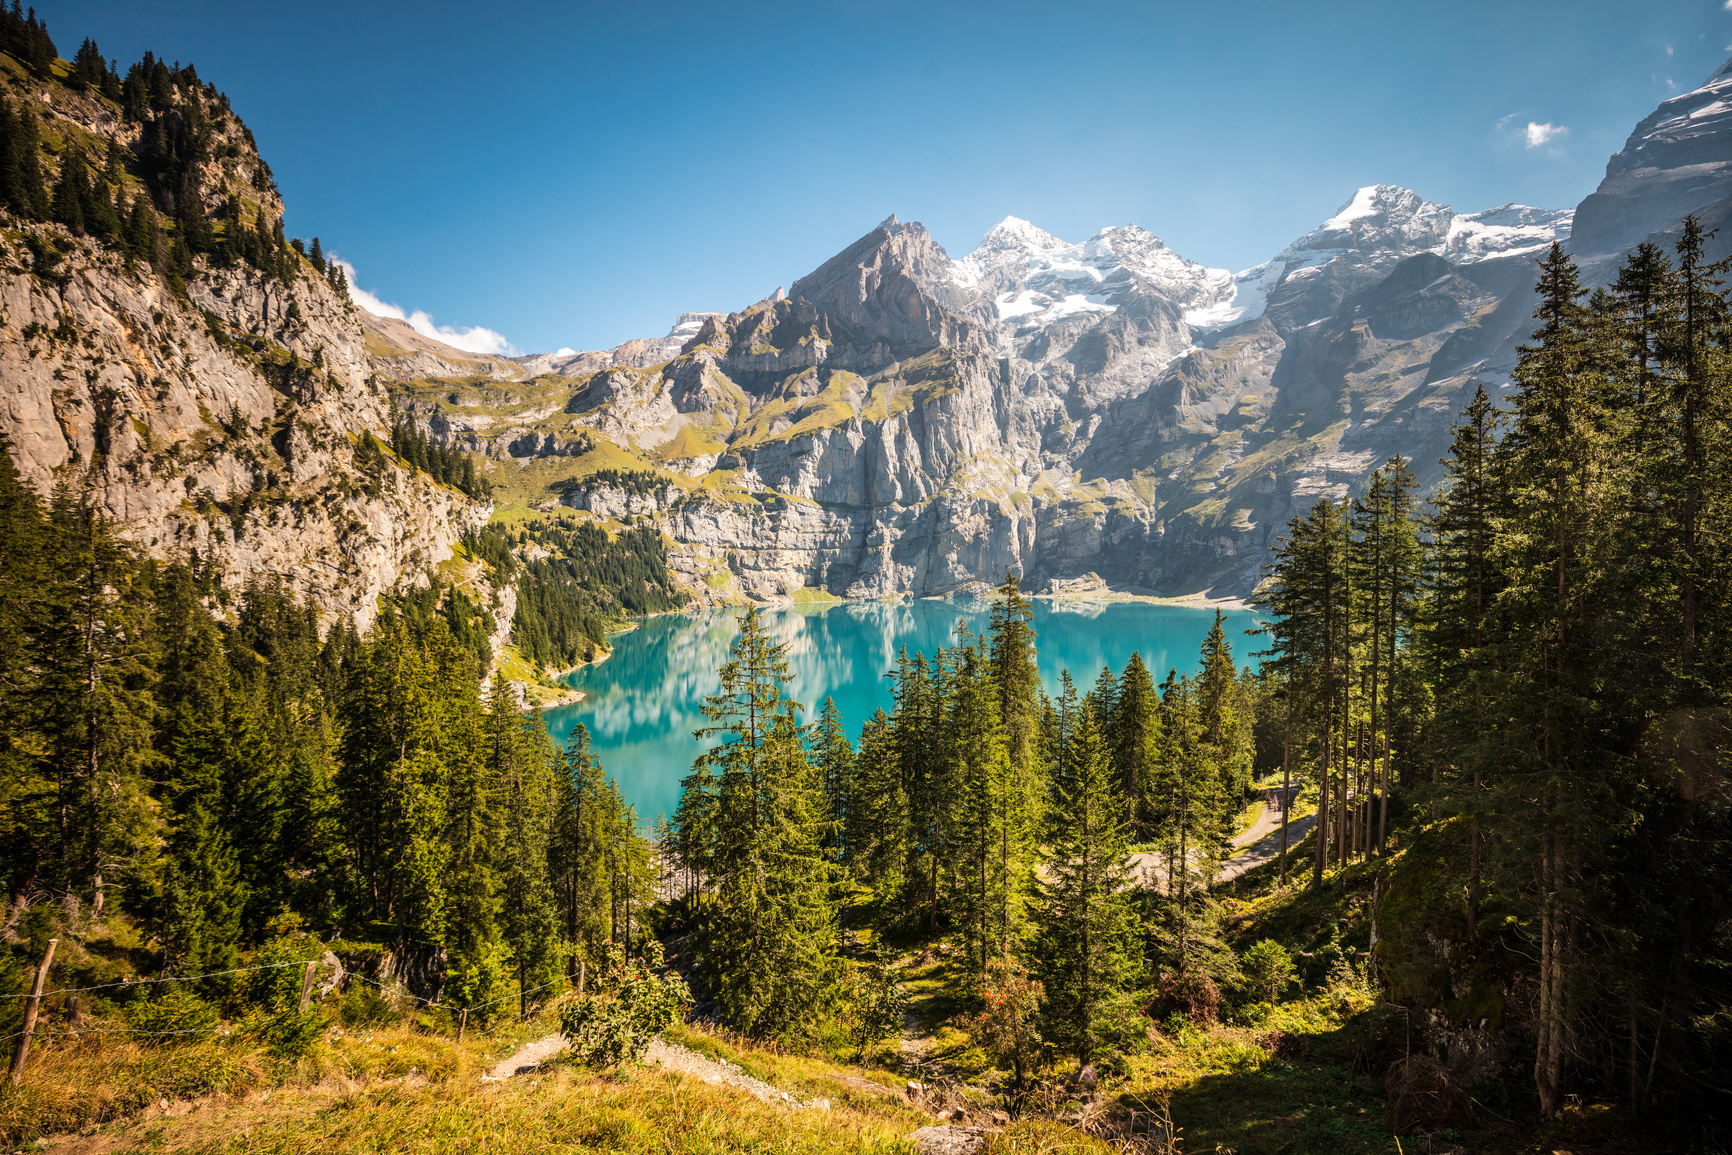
(228, 415)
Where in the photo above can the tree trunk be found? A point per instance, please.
(1286, 775)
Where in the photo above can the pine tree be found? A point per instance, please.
(771, 929)
(71, 194)
(526, 778)
(95, 707)
(1132, 734)
(1553, 456)
(1015, 676)
(393, 785)
(1218, 701)
(833, 757)
(577, 854)
(1307, 601)
(21, 185)
(1385, 557)
(1090, 959)
(26, 794)
(878, 821)
(994, 821)
(1458, 615)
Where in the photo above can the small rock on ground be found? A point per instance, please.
(947, 1139)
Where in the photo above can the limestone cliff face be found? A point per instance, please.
(221, 412)
(226, 423)
(903, 423)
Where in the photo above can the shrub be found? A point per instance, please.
(632, 1001)
(873, 1006)
(1008, 1023)
(175, 1015)
(362, 1005)
(287, 1034)
(1193, 993)
(1268, 969)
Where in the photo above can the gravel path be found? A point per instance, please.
(1264, 840)
(526, 1059)
(688, 1062)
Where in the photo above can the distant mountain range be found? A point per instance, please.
(903, 422)
(896, 422)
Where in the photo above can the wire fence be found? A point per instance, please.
(164, 979)
(397, 990)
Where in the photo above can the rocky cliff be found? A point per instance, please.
(212, 410)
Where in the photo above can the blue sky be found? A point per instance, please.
(577, 174)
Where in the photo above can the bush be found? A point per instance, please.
(175, 1015)
(1193, 994)
(288, 1034)
(1008, 1023)
(363, 1005)
(1268, 970)
(873, 1004)
(278, 988)
(629, 1005)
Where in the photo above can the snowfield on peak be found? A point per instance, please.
(1025, 277)
(1392, 222)
(1023, 280)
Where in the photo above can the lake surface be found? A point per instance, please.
(643, 702)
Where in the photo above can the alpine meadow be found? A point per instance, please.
(1062, 698)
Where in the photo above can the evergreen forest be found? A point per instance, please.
(246, 785)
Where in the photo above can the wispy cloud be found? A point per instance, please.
(1540, 135)
(475, 339)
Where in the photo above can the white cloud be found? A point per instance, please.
(1539, 135)
(565, 351)
(471, 340)
(1729, 5)
(1668, 50)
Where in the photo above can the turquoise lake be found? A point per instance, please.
(643, 702)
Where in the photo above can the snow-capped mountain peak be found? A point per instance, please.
(1026, 277)
(1379, 226)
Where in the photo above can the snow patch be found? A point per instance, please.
(1363, 204)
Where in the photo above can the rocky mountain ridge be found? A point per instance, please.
(897, 422)
(903, 422)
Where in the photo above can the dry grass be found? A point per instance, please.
(400, 1088)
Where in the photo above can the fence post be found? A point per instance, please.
(30, 1006)
(307, 986)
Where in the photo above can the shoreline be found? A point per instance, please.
(1201, 601)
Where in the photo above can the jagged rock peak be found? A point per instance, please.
(1016, 233)
(890, 285)
(1683, 130)
(1379, 226)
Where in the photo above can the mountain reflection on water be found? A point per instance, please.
(643, 702)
